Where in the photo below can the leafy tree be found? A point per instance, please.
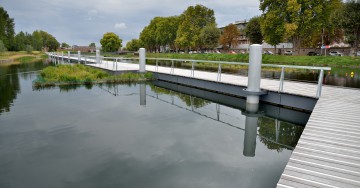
(65, 45)
(230, 36)
(166, 28)
(147, 36)
(7, 32)
(110, 42)
(43, 40)
(351, 23)
(92, 44)
(37, 40)
(29, 49)
(133, 45)
(20, 41)
(2, 47)
(295, 20)
(210, 35)
(253, 31)
(193, 20)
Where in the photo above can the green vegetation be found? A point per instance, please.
(332, 61)
(110, 42)
(81, 74)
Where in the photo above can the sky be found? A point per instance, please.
(81, 22)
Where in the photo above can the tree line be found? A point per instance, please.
(23, 41)
(306, 23)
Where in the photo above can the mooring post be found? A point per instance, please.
(68, 56)
(62, 57)
(142, 60)
(79, 56)
(254, 74)
(97, 55)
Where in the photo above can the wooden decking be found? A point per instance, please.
(328, 152)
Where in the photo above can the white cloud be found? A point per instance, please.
(120, 26)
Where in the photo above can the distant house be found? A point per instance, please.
(84, 48)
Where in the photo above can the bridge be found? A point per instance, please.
(327, 153)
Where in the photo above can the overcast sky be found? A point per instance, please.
(82, 22)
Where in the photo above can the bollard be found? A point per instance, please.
(142, 59)
(62, 57)
(97, 55)
(79, 56)
(254, 73)
(68, 56)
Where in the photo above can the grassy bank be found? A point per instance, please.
(22, 56)
(344, 61)
(81, 74)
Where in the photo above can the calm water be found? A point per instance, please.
(141, 135)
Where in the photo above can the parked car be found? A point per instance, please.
(336, 53)
(268, 52)
(312, 54)
(288, 52)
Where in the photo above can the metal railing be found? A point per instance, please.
(116, 60)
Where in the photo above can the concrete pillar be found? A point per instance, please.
(79, 56)
(97, 55)
(142, 94)
(142, 60)
(68, 56)
(254, 73)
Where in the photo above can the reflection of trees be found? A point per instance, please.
(189, 100)
(283, 133)
(10, 84)
(9, 88)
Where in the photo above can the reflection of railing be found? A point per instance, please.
(219, 120)
(220, 64)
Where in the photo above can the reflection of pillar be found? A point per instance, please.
(218, 111)
(277, 129)
(251, 122)
(142, 94)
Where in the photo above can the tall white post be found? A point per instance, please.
(254, 73)
(79, 56)
(62, 57)
(97, 55)
(68, 56)
(142, 60)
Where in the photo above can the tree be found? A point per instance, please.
(210, 36)
(193, 20)
(43, 40)
(110, 42)
(253, 31)
(2, 47)
(92, 44)
(295, 20)
(65, 45)
(351, 23)
(230, 36)
(28, 48)
(133, 45)
(7, 32)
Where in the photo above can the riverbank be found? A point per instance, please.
(331, 61)
(20, 57)
(81, 74)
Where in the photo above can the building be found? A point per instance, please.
(84, 48)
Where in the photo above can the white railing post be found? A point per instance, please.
(172, 67)
(97, 55)
(319, 87)
(79, 56)
(281, 86)
(142, 60)
(219, 73)
(157, 66)
(62, 57)
(192, 69)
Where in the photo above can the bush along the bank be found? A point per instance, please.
(81, 74)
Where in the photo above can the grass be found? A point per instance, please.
(344, 61)
(81, 74)
(22, 56)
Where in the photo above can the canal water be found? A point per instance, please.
(137, 135)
